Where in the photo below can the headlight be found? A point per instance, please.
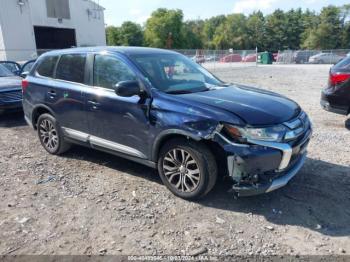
(244, 134)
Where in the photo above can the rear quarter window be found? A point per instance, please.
(71, 68)
(47, 66)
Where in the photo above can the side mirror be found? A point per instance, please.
(24, 74)
(128, 88)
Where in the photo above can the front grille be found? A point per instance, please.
(297, 127)
(10, 96)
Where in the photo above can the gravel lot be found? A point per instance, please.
(88, 202)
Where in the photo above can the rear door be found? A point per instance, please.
(65, 95)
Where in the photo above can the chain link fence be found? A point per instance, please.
(311, 56)
(217, 59)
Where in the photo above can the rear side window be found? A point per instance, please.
(71, 68)
(343, 65)
(109, 70)
(47, 66)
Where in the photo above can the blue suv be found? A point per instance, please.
(161, 109)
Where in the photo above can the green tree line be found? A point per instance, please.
(280, 30)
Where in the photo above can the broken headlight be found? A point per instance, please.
(246, 134)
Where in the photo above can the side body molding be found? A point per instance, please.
(100, 142)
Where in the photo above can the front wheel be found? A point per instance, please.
(187, 168)
(50, 135)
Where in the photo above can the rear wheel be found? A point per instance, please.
(50, 135)
(187, 168)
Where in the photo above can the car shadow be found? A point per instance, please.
(14, 119)
(114, 162)
(317, 198)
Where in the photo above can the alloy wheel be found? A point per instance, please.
(48, 134)
(181, 170)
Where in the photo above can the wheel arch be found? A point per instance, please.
(39, 110)
(166, 135)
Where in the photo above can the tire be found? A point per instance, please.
(191, 172)
(51, 136)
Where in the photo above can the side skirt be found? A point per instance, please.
(107, 146)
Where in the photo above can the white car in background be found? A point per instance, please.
(325, 58)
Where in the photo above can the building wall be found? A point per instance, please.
(17, 25)
(17, 32)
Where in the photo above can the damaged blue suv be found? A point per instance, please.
(159, 108)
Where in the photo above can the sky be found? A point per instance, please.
(119, 11)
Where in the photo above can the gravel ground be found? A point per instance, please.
(88, 202)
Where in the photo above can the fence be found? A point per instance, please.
(217, 59)
(311, 56)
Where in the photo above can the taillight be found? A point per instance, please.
(25, 84)
(337, 78)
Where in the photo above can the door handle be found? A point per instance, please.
(94, 104)
(52, 93)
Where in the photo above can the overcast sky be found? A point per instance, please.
(118, 11)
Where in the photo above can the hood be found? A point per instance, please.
(254, 106)
(11, 82)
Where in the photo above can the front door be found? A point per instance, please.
(117, 123)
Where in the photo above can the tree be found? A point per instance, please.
(209, 28)
(161, 23)
(327, 34)
(276, 28)
(256, 31)
(113, 35)
(232, 33)
(192, 35)
(131, 34)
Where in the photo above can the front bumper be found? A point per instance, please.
(261, 167)
(269, 186)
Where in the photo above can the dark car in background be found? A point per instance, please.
(161, 109)
(336, 96)
(302, 56)
(10, 91)
(17, 68)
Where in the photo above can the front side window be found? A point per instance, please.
(71, 68)
(109, 70)
(47, 66)
(174, 73)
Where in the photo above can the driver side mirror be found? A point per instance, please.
(128, 88)
(24, 74)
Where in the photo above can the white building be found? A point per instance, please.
(28, 27)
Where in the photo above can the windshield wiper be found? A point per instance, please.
(178, 92)
(183, 91)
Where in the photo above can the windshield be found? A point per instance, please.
(4, 72)
(175, 73)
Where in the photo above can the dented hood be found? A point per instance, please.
(252, 105)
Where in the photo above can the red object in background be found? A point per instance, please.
(231, 58)
(338, 78)
(249, 58)
(275, 57)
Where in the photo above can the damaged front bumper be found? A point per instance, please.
(261, 167)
